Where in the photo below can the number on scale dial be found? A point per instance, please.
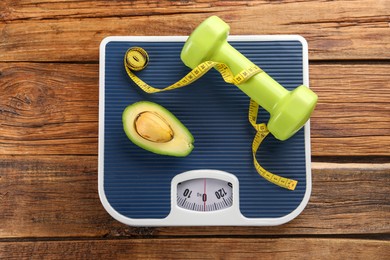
(204, 194)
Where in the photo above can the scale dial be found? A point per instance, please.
(204, 194)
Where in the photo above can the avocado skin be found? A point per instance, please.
(180, 146)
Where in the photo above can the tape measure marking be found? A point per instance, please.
(261, 134)
(137, 59)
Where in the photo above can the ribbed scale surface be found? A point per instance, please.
(137, 182)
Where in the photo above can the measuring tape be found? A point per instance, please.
(261, 133)
(137, 59)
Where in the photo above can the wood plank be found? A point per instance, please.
(49, 108)
(53, 109)
(56, 196)
(53, 9)
(72, 31)
(202, 248)
(353, 110)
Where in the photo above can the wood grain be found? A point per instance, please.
(49, 204)
(59, 31)
(205, 248)
(353, 110)
(49, 108)
(56, 196)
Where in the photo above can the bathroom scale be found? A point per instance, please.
(217, 183)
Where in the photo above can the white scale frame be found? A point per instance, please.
(179, 216)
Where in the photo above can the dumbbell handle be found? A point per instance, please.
(261, 87)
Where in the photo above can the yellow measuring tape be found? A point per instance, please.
(137, 59)
(261, 133)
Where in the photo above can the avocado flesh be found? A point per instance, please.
(180, 142)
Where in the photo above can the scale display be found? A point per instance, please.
(204, 194)
(217, 183)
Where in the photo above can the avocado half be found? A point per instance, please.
(155, 129)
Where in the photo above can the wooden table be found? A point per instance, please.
(49, 204)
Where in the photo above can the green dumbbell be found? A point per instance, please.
(289, 110)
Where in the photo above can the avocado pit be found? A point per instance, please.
(153, 127)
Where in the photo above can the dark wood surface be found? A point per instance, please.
(49, 85)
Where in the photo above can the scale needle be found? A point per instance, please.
(205, 195)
